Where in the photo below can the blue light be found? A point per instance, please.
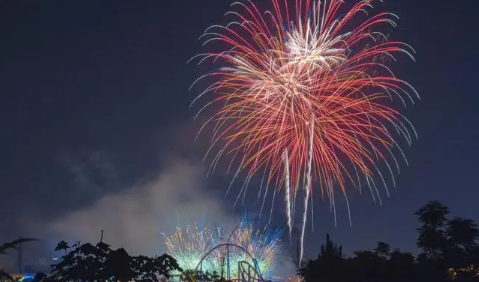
(27, 277)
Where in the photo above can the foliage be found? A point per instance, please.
(450, 252)
(191, 275)
(99, 262)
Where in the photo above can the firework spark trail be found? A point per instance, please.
(307, 188)
(309, 82)
(287, 192)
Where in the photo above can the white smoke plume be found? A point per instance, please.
(132, 218)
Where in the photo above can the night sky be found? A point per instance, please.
(94, 102)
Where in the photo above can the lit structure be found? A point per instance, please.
(22, 277)
(190, 244)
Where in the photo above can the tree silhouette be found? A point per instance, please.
(450, 252)
(462, 233)
(328, 265)
(382, 249)
(367, 265)
(62, 246)
(432, 233)
(165, 264)
(191, 275)
(99, 262)
(149, 269)
(401, 267)
(449, 245)
(433, 213)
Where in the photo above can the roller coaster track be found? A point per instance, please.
(246, 272)
(249, 273)
(222, 245)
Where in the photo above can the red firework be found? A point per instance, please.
(302, 91)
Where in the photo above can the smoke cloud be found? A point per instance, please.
(134, 217)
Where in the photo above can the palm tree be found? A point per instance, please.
(62, 246)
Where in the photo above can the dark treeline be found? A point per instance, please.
(449, 252)
(87, 262)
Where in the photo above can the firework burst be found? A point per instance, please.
(303, 94)
(189, 244)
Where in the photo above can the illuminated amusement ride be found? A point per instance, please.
(246, 272)
(248, 253)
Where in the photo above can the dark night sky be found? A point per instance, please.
(104, 84)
